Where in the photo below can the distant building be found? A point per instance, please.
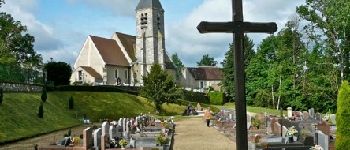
(202, 78)
(124, 59)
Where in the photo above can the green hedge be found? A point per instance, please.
(122, 89)
(216, 98)
(343, 117)
(196, 97)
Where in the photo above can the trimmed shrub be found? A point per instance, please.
(216, 98)
(71, 103)
(1, 95)
(105, 88)
(196, 97)
(41, 111)
(343, 117)
(44, 95)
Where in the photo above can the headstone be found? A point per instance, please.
(305, 116)
(126, 133)
(290, 112)
(104, 141)
(87, 135)
(272, 124)
(97, 139)
(312, 112)
(277, 129)
(323, 140)
(318, 116)
(324, 128)
(105, 128)
(120, 122)
(199, 107)
(112, 132)
(284, 131)
(332, 117)
(261, 118)
(119, 130)
(249, 121)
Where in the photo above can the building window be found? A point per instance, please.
(80, 75)
(116, 73)
(126, 74)
(201, 84)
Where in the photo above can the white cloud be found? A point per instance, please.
(183, 37)
(45, 39)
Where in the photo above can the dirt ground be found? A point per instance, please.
(193, 134)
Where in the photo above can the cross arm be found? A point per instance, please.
(233, 27)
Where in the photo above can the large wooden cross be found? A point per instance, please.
(238, 28)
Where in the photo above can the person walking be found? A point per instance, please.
(207, 116)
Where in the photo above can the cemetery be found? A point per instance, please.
(127, 92)
(294, 130)
(143, 131)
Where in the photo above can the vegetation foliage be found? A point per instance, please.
(343, 117)
(159, 87)
(58, 72)
(207, 61)
(216, 98)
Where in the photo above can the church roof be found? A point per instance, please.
(206, 73)
(92, 72)
(110, 51)
(143, 4)
(129, 42)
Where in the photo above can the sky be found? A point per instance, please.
(60, 27)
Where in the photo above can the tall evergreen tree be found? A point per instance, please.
(207, 61)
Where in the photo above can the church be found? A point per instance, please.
(124, 59)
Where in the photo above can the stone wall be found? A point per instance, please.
(20, 87)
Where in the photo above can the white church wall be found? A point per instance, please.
(111, 74)
(85, 78)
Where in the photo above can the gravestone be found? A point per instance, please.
(332, 118)
(272, 124)
(199, 107)
(88, 139)
(318, 116)
(104, 141)
(120, 122)
(306, 116)
(324, 127)
(284, 131)
(112, 132)
(126, 133)
(290, 112)
(105, 128)
(97, 139)
(119, 130)
(277, 129)
(312, 113)
(249, 121)
(323, 140)
(261, 118)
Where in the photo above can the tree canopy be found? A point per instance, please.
(58, 72)
(207, 61)
(159, 87)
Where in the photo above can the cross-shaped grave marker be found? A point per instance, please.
(238, 28)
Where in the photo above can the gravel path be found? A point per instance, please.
(193, 134)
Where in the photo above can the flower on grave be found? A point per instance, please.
(113, 142)
(292, 131)
(162, 139)
(123, 142)
(326, 117)
(316, 147)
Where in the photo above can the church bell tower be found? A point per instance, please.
(150, 40)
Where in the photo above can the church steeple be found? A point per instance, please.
(150, 37)
(145, 4)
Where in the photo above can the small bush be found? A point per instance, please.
(216, 98)
(343, 117)
(71, 103)
(196, 97)
(44, 95)
(1, 95)
(41, 111)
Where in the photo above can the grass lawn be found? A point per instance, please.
(253, 109)
(18, 113)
